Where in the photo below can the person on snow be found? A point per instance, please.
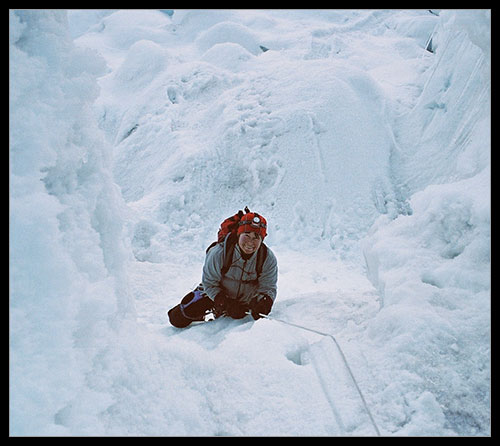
(239, 277)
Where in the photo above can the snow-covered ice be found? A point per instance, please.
(363, 137)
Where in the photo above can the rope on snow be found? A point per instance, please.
(343, 359)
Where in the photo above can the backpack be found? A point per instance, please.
(227, 234)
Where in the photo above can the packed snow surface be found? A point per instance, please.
(363, 137)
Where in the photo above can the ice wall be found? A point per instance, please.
(446, 135)
(67, 253)
(432, 267)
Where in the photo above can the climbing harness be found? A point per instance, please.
(272, 318)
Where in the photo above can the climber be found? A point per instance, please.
(239, 275)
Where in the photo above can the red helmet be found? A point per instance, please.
(253, 222)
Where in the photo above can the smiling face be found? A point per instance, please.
(249, 242)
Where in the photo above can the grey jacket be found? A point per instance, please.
(240, 282)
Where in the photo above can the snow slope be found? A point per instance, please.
(134, 133)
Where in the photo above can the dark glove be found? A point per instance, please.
(260, 304)
(220, 304)
(231, 307)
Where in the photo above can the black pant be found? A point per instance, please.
(194, 306)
